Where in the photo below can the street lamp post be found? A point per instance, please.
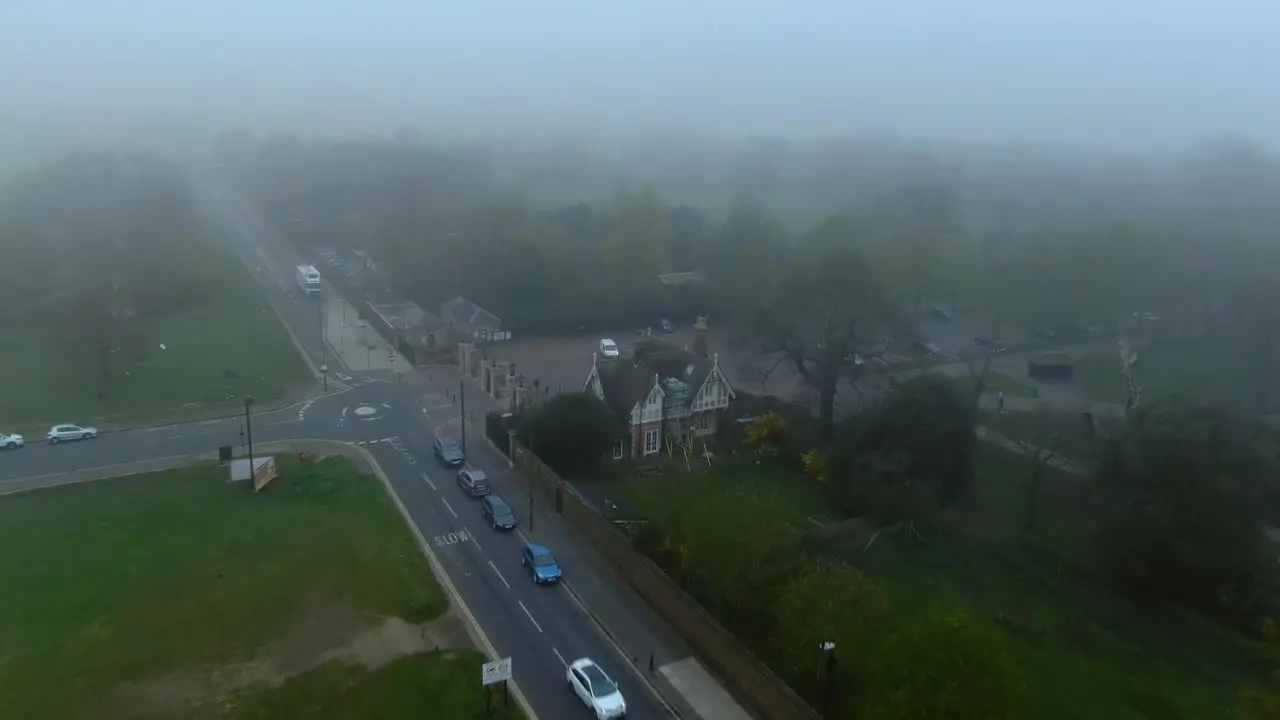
(248, 426)
(830, 649)
(324, 373)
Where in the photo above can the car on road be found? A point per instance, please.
(449, 453)
(67, 431)
(666, 326)
(473, 482)
(596, 689)
(541, 563)
(11, 441)
(609, 349)
(497, 513)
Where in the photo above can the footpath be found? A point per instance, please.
(352, 341)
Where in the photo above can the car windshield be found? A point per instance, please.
(451, 449)
(610, 347)
(601, 685)
(544, 560)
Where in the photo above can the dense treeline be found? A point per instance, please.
(1028, 239)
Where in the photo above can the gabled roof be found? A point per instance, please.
(629, 379)
(469, 315)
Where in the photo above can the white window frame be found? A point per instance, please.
(702, 422)
(617, 449)
(655, 435)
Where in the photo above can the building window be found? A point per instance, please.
(617, 449)
(702, 422)
(652, 441)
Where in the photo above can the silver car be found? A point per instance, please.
(67, 431)
(11, 442)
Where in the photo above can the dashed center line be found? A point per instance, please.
(499, 574)
(535, 622)
(557, 652)
(451, 511)
(472, 538)
(428, 481)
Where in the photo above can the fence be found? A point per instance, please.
(763, 693)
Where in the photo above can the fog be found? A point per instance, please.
(1079, 74)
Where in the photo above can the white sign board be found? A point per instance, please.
(496, 671)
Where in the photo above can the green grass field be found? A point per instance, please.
(174, 592)
(42, 382)
(1087, 654)
(1196, 371)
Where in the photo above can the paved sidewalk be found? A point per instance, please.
(353, 341)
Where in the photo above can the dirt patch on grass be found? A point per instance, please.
(321, 634)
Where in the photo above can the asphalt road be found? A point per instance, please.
(396, 419)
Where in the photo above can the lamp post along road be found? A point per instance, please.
(830, 649)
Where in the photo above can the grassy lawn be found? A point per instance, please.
(175, 592)
(218, 353)
(1086, 653)
(793, 497)
(1197, 371)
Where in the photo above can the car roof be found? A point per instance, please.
(476, 473)
(607, 341)
(539, 549)
(496, 502)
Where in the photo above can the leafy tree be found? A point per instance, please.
(910, 451)
(571, 432)
(827, 601)
(1183, 497)
(1264, 704)
(944, 664)
(827, 309)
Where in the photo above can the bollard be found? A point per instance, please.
(650, 661)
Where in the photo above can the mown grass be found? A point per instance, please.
(1197, 371)
(121, 581)
(219, 351)
(442, 685)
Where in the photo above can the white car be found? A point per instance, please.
(67, 431)
(11, 442)
(596, 689)
(609, 349)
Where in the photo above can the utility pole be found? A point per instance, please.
(830, 649)
(530, 484)
(462, 408)
(248, 426)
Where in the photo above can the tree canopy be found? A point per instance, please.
(571, 432)
(1184, 498)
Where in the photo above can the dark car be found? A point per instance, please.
(474, 482)
(495, 510)
(666, 326)
(541, 563)
(449, 453)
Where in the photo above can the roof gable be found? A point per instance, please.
(627, 381)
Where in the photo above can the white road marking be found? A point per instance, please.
(439, 407)
(504, 580)
(467, 530)
(557, 652)
(451, 512)
(535, 622)
(386, 406)
(281, 422)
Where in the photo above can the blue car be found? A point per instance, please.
(541, 563)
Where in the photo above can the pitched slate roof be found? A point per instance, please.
(629, 379)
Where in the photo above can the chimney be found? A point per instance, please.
(700, 331)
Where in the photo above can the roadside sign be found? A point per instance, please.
(496, 671)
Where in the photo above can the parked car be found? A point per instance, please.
(928, 348)
(666, 326)
(498, 513)
(596, 689)
(940, 314)
(67, 431)
(609, 349)
(449, 453)
(11, 441)
(541, 563)
(474, 482)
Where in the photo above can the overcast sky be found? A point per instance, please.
(1111, 74)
